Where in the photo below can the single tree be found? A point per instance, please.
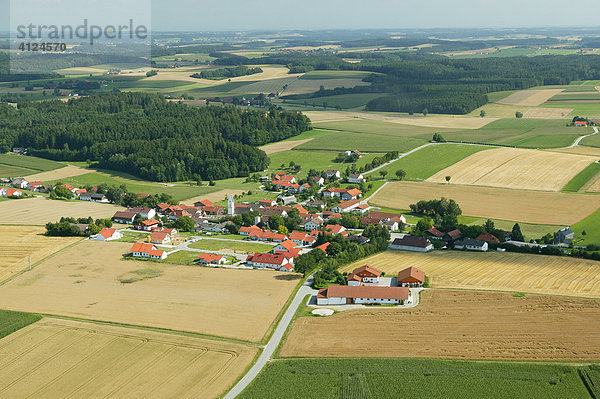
(425, 112)
(400, 174)
(383, 173)
(482, 113)
(518, 114)
(516, 234)
(448, 179)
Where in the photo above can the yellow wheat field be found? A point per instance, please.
(39, 211)
(531, 98)
(58, 359)
(18, 243)
(496, 271)
(527, 206)
(85, 281)
(515, 168)
(56, 174)
(282, 146)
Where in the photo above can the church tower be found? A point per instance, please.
(230, 206)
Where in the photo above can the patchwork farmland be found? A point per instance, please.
(83, 281)
(528, 206)
(538, 274)
(515, 168)
(58, 358)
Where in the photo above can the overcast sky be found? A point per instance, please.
(197, 15)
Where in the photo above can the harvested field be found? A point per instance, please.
(39, 210)
(547, 113)
(83, 281)
(460, 325)
(530, 98)
(58, 358)
(580, 150)
(62, 173)
(449, 122)
(593, 186)
(526, 206)
(515, 168)
(496, 271)
(17, 243)
(213, 197)
(282, 146)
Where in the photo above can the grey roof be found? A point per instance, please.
(411, 241)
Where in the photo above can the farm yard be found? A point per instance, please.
(528, 206)
(459, 325)
(18, 243)
(39, 211)
(415, 378)
(538, 274)
(58, 358)
(515, 168)
(83, 281)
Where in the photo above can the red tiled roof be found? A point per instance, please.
(335, 228)
(158, 235)
(411, 275)
(288, 244)
(142, 247)
(209, 257)
(150, 222)
(11, 191)
(124, 215)
(488, 237)
(348, 204)
(323, 247)
(297, 235)
(367, 268)
(354, 192)
(274, 259)
(435, 232)
(107, 232)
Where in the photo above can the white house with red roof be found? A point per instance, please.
(147, 225)
(336, 229)
(210, 259)
(344, 294)
(285, 246)
(35, 185)
(346, 206)
(144, 250)
(356, 178)
(146, 213)
(364, 274)
(160, 237)
(271, 261)
(10, 192)
(108, 234)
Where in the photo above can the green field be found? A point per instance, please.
(592, 141)
(13, 321)
(319, 160)
(415, 378)
(527, 133)
(12, 165)
(590, 226)
(582, 178)
(220, 245)
(576, 97)
(428, 161)
(580, 88)
(591, 110)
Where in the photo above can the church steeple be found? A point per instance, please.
(230, 206)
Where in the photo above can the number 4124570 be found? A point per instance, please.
(46, 47)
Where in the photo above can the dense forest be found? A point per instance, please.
(440, 84)
(145, 135)
(224, 73)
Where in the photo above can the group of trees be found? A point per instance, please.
(145, 135)
(67, 227)
(224, 73)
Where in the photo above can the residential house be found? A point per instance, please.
(210, 259)
(411, 243)
(19, 182)
(264, 202)
(471, 245)
(318, 180)
(301, 238)
(358, 239)
(146, 213)
(346, 206)
(364, 274)
(323, 247)
(246, 231)
(315, 204)
(124, 217)
(564, 235)
(353, 193)
(336, 229)
(144, 250)
(411, 277)
(160, 237)
(356, 178)
(376, 217)
(108, 234)
(201, 204)
(284, 246)
(271, 261)
(490, 238)
(10, 192)
(35, 185)
(147, 225)
(344, 294)
(327, 215)
(212, 227)
(332, 173)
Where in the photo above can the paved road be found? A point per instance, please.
(273, 343)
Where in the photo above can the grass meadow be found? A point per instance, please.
(13, 321)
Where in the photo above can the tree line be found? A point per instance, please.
(224, 73)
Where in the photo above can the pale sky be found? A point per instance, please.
(238, 15)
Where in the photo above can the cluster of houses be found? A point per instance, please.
(20, 183)
(363, 288)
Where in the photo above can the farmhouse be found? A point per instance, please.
(143, 250)
(411, 277)
(93, 197)
(271, 261)
(434, 233)
(411, 243)
(20, 182)
(344, 294)
(490, 238)
(108, 234)
(147, 225)
(471, 245)
(564, 235)
(453, 235)
(356, 178)
(202, 203)
(160, 237)
(265, 202)
(146, 213)
(346, 206)
(124, 217)
(364, 274)
(376, 217)
(213, 259)
(300, 238)
(312, 223)
(35, 185)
